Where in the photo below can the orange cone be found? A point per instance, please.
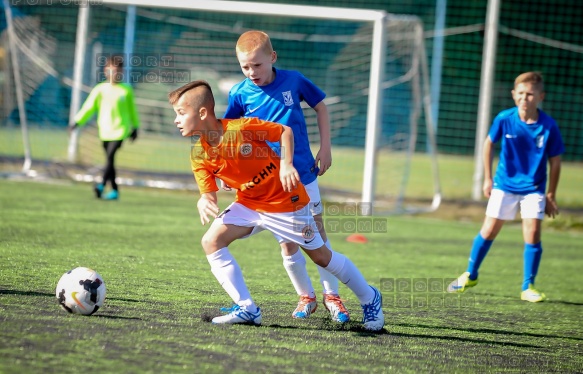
(356, 238)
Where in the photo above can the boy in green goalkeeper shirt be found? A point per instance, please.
(117, 119)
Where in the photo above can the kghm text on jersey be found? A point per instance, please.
(267, 171)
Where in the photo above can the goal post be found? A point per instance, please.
(80, 48)
(26, 167)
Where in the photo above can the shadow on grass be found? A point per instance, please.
(311, 324)
(115, 317)
(488, 331)
(357, 328)
(25, 293)
(497, 299)
(467, 340)
(354, 327)
(324, 324)
(45, 294)
(122, 299)
(563, 302)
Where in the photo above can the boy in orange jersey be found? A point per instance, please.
(269, 197)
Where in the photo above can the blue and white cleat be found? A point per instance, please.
(372, 313)
(239, 314)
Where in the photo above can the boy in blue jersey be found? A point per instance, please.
(275, 95)
(529, 139)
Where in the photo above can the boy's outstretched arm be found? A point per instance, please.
(488, 156)
(324, 155)
(288, 174)
(207, 206)
(88, 109)
(551, 207)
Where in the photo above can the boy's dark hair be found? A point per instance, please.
(204, 97)
(115, 60)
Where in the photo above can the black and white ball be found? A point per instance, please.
(81, 291)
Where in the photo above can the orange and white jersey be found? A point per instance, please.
(244, 161)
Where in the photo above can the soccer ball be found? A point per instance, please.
(81, 291)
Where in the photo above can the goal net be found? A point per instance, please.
(380, 125)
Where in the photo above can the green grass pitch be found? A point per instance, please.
(161, 295)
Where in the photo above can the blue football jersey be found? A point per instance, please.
(524, 151)
(280, 101)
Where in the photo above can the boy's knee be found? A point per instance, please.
(491, 228)
(289, 249)
(531, 230)
(321, 261)
(488, 233)
(532, 235)
(320, 256)
(209, 243)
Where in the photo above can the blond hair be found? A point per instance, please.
(253, 40)
(533, 77)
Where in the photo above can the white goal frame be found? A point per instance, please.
(374, 109)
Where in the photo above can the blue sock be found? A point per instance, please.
(479, 251)
(532, 256)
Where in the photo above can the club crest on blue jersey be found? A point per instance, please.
(288, 100)
(540, 141)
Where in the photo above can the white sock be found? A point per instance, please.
(295, 265)
(228, 273)
(348, 273)
(328, 280)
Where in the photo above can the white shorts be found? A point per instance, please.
(315, 201)
(314, 208)
(290, 227)
(504, 205)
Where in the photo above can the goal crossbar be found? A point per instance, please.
(304, 11)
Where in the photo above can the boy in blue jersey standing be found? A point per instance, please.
(529, 139)
(275, 95)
